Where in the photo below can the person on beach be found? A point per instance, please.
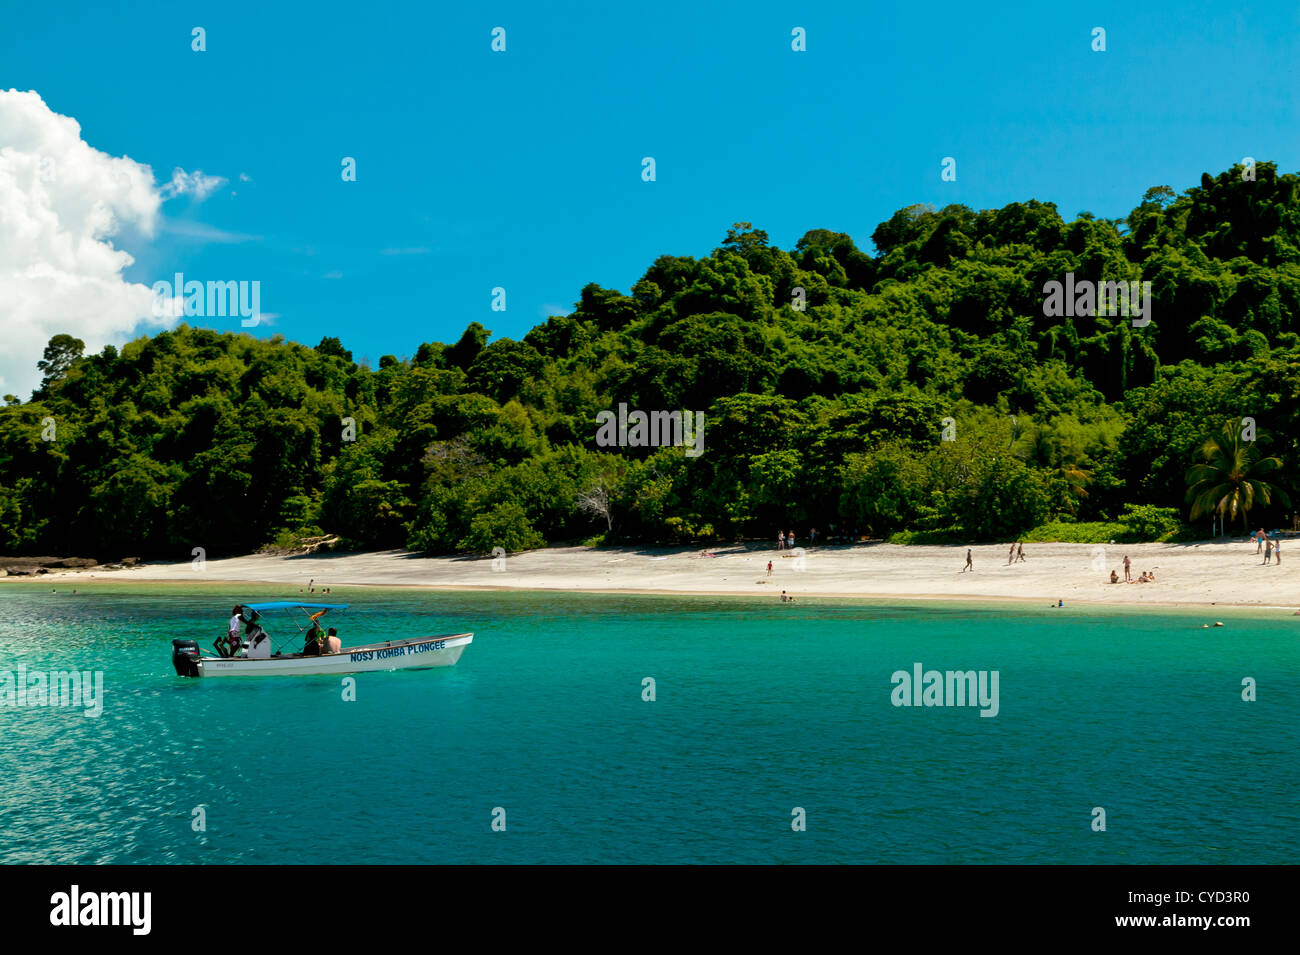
(1128, 572)
(1259, 540)
(969, 563)
(1012, 555)
(1020, 552)
(1268, 550)
(780, 539)
(1277, 551)
(769, 568)
(1114, 577)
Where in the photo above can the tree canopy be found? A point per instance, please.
(917, 387)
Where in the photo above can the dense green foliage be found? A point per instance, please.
(829, 416)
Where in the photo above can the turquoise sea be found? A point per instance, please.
(759, 708)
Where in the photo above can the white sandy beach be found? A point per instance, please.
(1220, 572)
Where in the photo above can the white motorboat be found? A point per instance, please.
(414, 653)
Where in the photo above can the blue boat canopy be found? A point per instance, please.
(290, 604)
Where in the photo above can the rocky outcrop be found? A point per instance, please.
(29, 566)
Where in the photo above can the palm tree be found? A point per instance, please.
(1229, 480)
(1049, 449)
(1076, 478)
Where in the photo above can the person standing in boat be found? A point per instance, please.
(315, 638)
(234, 642)
(223, 644)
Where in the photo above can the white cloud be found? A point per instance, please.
(203, 232)
(195, 184)
(62, 204)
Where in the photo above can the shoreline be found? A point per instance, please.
(1223, 573)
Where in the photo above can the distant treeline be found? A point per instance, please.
(824, 374)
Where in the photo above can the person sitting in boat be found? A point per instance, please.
(332, 642)
(256, 636)
(252, 627)
(259, 645)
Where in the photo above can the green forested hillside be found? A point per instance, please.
(831, 415)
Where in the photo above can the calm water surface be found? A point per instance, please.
(760, 708)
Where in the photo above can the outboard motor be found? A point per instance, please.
(185, 658)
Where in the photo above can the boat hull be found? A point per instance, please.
(417, 654)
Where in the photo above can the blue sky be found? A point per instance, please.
(522, 169)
